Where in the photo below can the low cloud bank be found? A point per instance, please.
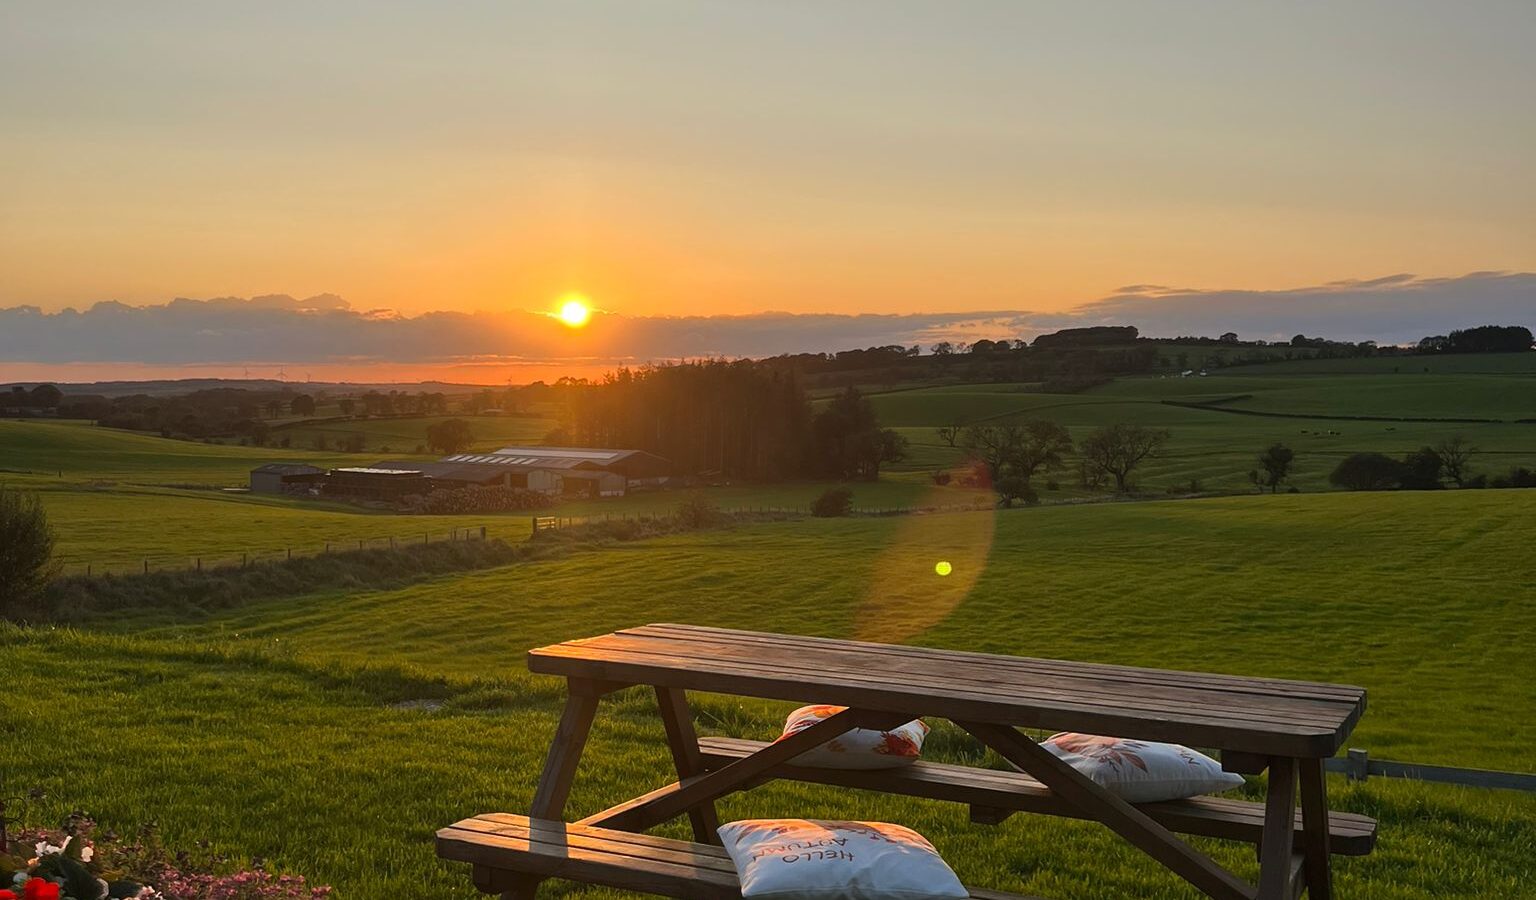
(327, 330)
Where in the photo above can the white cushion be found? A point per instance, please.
(821, 860)
(1142, 771)
(858, 748)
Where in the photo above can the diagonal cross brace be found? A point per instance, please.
(664, 803)
(1121, 817)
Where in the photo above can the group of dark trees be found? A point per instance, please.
(740, 419)
(1010, 455)
(41, 397)
(1483, 339)
(1425, 469)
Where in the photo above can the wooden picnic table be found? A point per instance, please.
(1287, 728)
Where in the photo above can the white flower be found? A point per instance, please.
(86, 853)
(44, 848)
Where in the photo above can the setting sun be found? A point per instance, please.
(575, 311)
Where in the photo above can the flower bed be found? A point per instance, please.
(75, 862)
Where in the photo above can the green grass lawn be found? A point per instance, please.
(117, 529)
(279, 719)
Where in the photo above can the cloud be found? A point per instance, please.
(325, 329)
(1392, 309)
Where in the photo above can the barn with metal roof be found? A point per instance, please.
(586, 471)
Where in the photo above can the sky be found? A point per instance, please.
(675, 161)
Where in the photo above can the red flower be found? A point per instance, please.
(8, 895)
(40, 889)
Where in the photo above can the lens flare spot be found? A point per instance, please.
(943, 567)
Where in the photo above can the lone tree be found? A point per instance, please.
(26, 550)
(1455, 454)
(1276, 462)
(950, 434)
(1014, 453)
(449, 436)
(302, 405)
(1116, 450)
(849, 441)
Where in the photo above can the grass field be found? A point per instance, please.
(278, 729)
(402, 436)
(1217, 447)
(81, 451)
(280, 719)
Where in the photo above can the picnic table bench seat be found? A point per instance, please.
(994, 794)
(503, 847)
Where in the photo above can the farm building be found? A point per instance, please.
(583, 471)
(573, 471)
(375, 483)
(283, 478)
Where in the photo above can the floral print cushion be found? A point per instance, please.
(811, 859)
(860, 748)
(1141, 771)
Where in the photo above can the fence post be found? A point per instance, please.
(146, 567)
(244, 558)
(1359, 765)
(482, 532)
(290, 553)
(199, 563)
(87, 570)
(391, 542)
(359, 543)
(327, 546)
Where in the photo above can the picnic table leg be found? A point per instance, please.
(1314, 826)
(1277, 863)
(559, 770)
(684, 742)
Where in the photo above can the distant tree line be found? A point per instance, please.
(741, 419)
(1092, 354)
(238, 412)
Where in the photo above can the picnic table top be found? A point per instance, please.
(1266, 716)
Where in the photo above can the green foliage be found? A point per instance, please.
(833, 503)
(450, 436)
(1367, 472)
(849, 442)
(26, 550)
(698, 511)
(1276, 462)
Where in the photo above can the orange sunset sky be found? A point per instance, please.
(694, 159)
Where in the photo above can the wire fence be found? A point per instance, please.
(510, 528)
(256, 555)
